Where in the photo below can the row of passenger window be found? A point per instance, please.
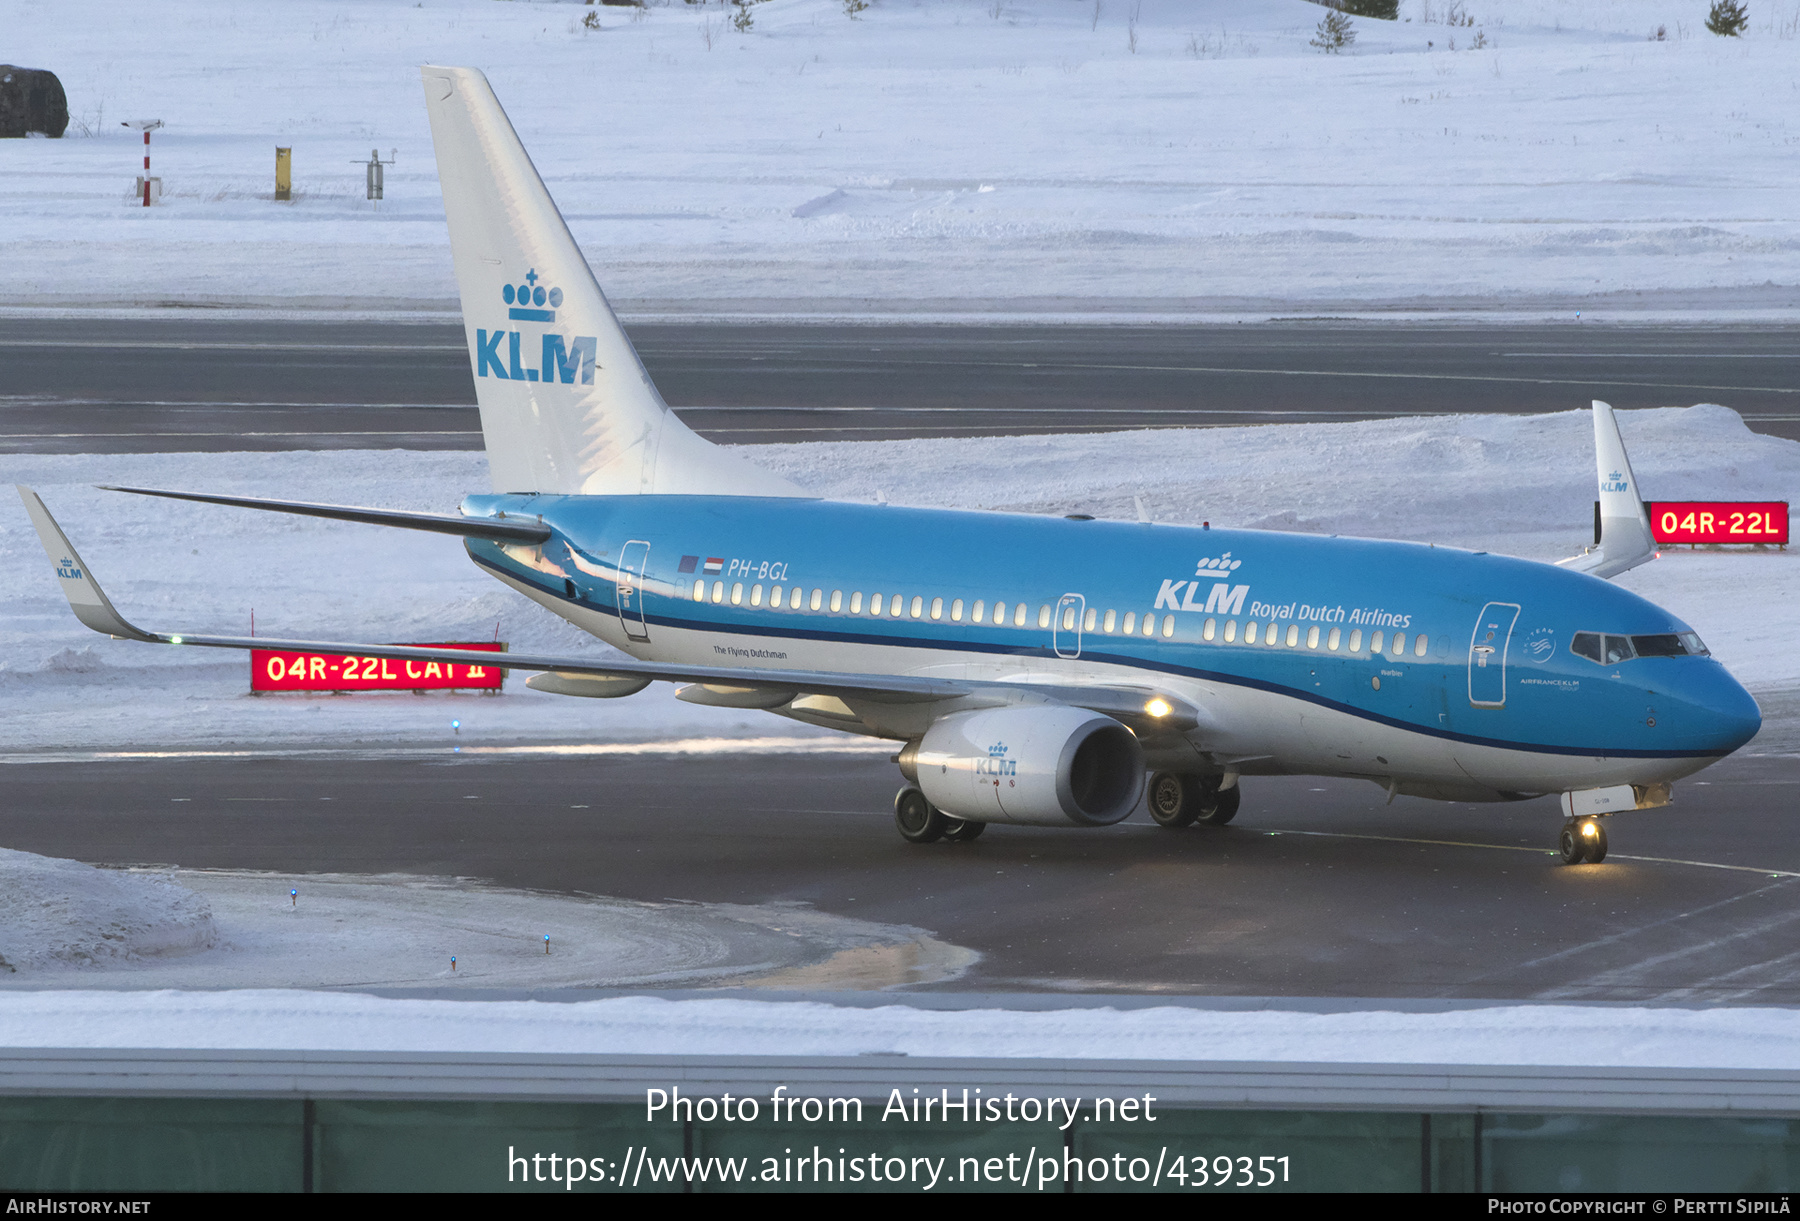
(898, 606)
(1334, 640)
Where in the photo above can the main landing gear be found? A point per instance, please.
(1177, 799)
(920, 822)
(1582, 839)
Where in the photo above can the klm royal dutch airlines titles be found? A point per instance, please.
(1031, 670)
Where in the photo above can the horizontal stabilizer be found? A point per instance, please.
(504, 531)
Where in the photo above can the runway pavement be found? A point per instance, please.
(1318, 888)
(187, 383)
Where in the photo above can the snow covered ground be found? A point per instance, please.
(1146, 157)
(1519, 484)
(64, 924)
(1757, 1038)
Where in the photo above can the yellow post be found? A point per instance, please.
(284, 174)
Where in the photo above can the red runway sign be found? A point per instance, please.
(1719, 521)
(272, 670)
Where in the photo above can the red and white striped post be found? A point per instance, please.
(146, 126)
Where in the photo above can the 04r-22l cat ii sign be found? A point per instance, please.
(1033, 670)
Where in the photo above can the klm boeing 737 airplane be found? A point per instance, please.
(1032, 670)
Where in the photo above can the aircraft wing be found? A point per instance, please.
(1135, 706)
(1625, 540)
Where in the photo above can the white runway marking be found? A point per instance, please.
(1615, 856)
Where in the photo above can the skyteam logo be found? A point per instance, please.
(1540, 645)
(1223, 599)
(561, 360)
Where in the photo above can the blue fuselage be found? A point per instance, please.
(1306, 653)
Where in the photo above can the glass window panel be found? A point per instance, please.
(1618, 648)
(775, 592)
(1043, 616)
(756, 595)
(956, 611)
(897, 606)
(737, 594)
(1087, 620)
(1112, 621)
(1149, 625)
(1356, 640)
(1130, 622)
(1669, 645)
(1250, 632)
(1375, 642)
(856, 603)
(1208, 628)
(1399, 643)
(1587, 644)
(837, 599)
(794, 599)
(918, 607)
(1336, 638)
(937, 608)
(1019, 615)
(1168, 625)
(1293, 635)
(1421, 644)
(699, 591)
(718, 591)
(979, 611)
(1230, 630)
(1312, 636)
(1068, 618)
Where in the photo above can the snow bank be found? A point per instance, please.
(60, 914)
(1503, 1034)
(1519, 484)
(936, 156)
(66, 924)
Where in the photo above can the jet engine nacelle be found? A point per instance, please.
(1046, 765)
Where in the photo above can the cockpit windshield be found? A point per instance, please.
(1606, 649)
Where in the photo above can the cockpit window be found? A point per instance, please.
(1608, 650)
(1670, 644)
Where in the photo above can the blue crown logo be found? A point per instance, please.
(524, 297)
(997, 750)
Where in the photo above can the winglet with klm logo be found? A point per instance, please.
(1625, 538)
(86, 598)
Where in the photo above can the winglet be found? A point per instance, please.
(1625, 539)
(86, 598)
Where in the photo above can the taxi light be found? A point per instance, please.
(1158, 707)
(1588, 829)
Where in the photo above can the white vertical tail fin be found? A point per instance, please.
(566, 406)
(1625, 539)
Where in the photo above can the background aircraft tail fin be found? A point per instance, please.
(1625, 539)
(566, 406)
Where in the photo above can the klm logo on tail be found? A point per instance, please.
(561, 360)
(67, 570)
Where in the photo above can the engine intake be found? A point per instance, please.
(1043, 765)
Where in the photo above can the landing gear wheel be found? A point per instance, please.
(1582, 839)
(961, 831)
(1218, 806)
(918, 821)
(1174, 800)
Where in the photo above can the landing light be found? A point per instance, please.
(1588, 829)
(1158, 707)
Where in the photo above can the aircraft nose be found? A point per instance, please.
(1723, 713)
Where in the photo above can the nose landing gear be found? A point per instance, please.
(1582, 839)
